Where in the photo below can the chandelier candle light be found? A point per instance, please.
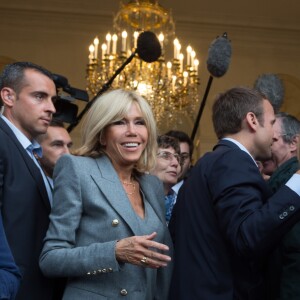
(169, 85)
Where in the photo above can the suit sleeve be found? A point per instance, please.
(290, 277)
(60, 255)
(250, 218)
(9, 273)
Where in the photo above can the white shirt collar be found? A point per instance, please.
(22, 138)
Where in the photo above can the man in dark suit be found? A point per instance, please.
(226, 220)
(9, 273)
(27, 94)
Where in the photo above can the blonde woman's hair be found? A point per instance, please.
(108, 108)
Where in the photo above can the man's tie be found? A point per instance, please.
(36, 153)
(169, 203)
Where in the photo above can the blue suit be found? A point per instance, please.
(224, 225)
(9, 273)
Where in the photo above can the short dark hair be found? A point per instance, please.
(165, 141)
(57, 123)
(231, 107)
(182, 137)
(12, 75)
(54, 123)
(290, 126)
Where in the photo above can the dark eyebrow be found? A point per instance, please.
(42, 93)
(56, 142)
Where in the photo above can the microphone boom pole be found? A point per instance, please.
(201, 108)
(148, 49)
(218, 60)
(104, 88)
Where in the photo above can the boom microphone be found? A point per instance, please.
(148, 49)
(148, 46)
(272, 87)
(219, 55)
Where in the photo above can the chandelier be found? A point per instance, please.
(169, 84)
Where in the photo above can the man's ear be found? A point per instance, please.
(295, 143)
(251, 121)
(8, 96)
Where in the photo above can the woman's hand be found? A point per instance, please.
(141, 251)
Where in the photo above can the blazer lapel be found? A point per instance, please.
(107, 180)
(151, 196)
(33, 169)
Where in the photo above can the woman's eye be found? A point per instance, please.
(121, 122)
(140, 122)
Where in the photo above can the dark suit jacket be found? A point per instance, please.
(9, 273)
(25, 210)
(224, 224)
(284, 263)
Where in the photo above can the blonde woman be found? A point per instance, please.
(107, 231)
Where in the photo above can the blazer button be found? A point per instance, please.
(281, 217)
(123, 292)
(292, 208)
(284, 213)
(103, 270)
(115, 222)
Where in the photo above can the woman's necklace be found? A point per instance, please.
(133, 187)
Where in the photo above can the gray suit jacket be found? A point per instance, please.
(91, 212)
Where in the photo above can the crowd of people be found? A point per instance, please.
(127, 215)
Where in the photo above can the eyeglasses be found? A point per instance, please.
(169, 156)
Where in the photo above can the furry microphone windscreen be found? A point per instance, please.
(148, 46)
(272, 87)
(219, 56)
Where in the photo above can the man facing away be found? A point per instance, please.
(27, 94)
(226, 220)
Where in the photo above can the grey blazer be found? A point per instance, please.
(90, 213)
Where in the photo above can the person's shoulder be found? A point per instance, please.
(227, 149)
(151, 178)
(223, 156)
(153, 183)
(4, 135)
(76, 158)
